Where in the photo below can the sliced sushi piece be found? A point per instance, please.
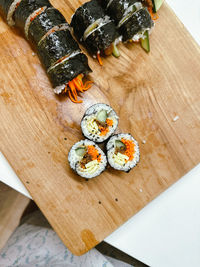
(99, 122)
(27, 11)
(123, 152)
(94, 29)
(120, 11)
(57, 46)
(71, 70)
(133, 21)
(8, 8)
(135, 27)
(87, 159)
(47, 21)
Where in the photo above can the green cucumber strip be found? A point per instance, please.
(115, 52)
(80, 151)
(145, 42)
(119, 144)
(157, 4)
(102, 115)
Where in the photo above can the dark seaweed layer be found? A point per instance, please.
(117, 9)
(139, 21)
(43, 23)
(85, 16)
(55, 46)
(4, 6)
(101, 39)
(68, 70)
(26, 8)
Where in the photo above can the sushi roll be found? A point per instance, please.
(94, 29)
(123, 152)
(99, 122)
(49, 32)
(70, 72)
(45, 23)
(135, 27)
(27, 11)
(131, 18)
(56, 46)
(87, 159)
(7, 8)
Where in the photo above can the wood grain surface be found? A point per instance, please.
(147, 91)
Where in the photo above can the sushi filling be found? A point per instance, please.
(97, 127)
(31, 18)
(123, 152)
(11, 12)
(99, 122)
(74, 87)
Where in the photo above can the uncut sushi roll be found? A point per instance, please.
(58, 51)
(99, 122)
(95, 30)
(132, 20)
(123, 152)
(87, 159)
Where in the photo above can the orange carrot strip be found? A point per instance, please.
(93, 152)
(154, 16)
(130, 148)
(73, 89)
(73, 100)
(87, 85)
(77, 85)
(99, 59)
(109, 122)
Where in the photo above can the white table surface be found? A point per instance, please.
(166, 233)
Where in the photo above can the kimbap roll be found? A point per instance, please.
(123, 152)
(27, 11)
(132, 20)
(95, 30)
(7, 8)
(49, 20)
(87, 159)
(57, 45)
(135, 27)
(58, 51)
(99, 122)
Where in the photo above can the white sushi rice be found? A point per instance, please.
(11, 11)
(120, 161)
(28, 21)
(89, 126)
(93, 168)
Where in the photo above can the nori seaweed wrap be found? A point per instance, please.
(44, 22)
(55, 46)
(93, 27)
(26, 8)
(4, 7)
(139, 22)
(118, 8)
(68, 70)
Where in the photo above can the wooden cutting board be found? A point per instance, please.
(147, 91)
